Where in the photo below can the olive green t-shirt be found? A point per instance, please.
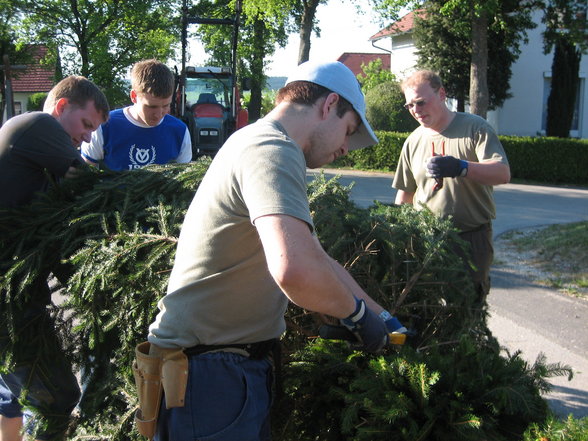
(467, 137)
(220, 290)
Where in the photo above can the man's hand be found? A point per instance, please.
(446, 167)
(369, 329)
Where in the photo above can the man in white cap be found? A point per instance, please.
(247, 247)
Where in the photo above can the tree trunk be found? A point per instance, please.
(564, 86)
(479, 65)
(258, 79)
(306, 25)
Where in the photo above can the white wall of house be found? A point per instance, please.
(524, 113)
(20, 100)
(403, 57)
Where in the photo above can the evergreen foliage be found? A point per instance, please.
(564, 86)
(115, 233)
(36, 101)
(385, 108)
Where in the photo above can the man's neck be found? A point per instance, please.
(444, 122)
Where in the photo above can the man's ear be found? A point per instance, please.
(60, 106)
(329, 104)
(442, 93)
(133, 96)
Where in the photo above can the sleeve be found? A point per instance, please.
(94, 150)
(488, 145)
(49, 146)
(404, 177)
(186, 149)
(277, 184)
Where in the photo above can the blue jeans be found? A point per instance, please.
(45, 374)
(228, 398)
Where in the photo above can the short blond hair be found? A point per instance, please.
(153, 77)
(422, 76)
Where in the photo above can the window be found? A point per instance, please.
(17, 108)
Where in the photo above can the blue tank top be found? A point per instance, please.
(127, 146)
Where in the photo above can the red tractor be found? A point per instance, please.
(208, 98)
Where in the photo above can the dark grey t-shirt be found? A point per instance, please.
(33, 146)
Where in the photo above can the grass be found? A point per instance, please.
(559, 430)
(561, 252)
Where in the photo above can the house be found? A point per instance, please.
(35, 78)
(524, 114)
(355, 60)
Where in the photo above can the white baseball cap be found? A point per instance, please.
(338, 78)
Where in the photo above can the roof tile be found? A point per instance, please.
(36, 77)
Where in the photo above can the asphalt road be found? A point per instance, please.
(525, 316)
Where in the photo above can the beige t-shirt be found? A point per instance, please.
(220, 290)
(468, 137)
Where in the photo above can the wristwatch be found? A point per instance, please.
(464, 168)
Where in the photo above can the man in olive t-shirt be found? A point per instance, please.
(450, 165)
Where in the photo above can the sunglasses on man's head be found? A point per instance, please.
(409, 106)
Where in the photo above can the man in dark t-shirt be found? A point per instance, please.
(36, 150)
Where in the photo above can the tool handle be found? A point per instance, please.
(334, 332)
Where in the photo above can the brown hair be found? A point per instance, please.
(421, 76)
(78, 90)
(307, 93)
(153, 77)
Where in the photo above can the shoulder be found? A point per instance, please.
(475, 121)
(172, 121)
(266, 140)
(416, 135)
(34, 122)
(115, 116)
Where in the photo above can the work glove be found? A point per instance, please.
(392, 323)
(368, 328)
(446, 167)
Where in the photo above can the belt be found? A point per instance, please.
(255, 351)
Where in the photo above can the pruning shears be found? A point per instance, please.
(334, 332)
(438, 181)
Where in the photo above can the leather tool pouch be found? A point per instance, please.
(158, 370)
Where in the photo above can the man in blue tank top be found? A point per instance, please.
(144, 133)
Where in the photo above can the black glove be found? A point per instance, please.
(369, 329)
(446, 167)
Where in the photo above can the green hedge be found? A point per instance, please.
(549, 160)
(539, 159)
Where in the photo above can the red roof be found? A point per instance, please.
(354, 60)
(36, 77)
(405, 24)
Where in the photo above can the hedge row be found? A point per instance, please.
(538, 159)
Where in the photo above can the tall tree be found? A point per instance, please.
(443, 43)
(567, 31)
(479, 15)
(9, 46)
(102, 39)
(305, 18)
(261, 27)
(564, 85)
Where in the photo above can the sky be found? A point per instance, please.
(343, 29)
